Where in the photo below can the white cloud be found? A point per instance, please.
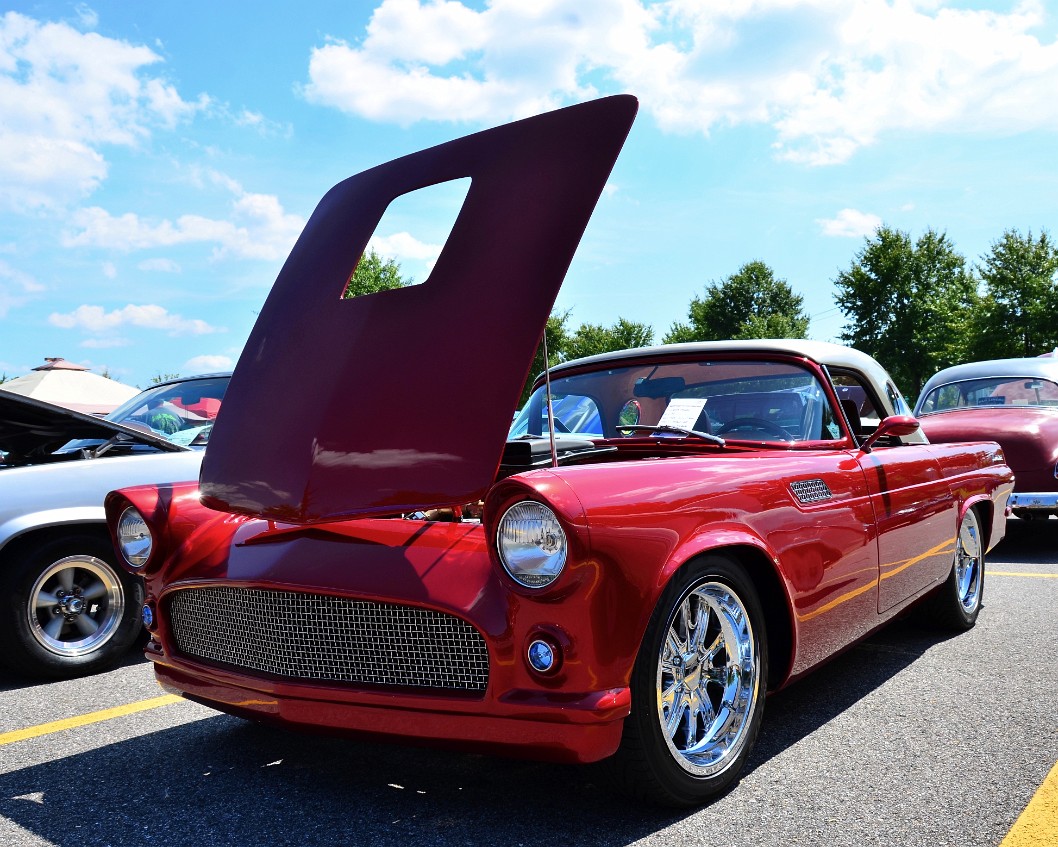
(16, 288)
(207, 364)
(64, 95)
(849, 223)
(259, 229)
(87, 16)
(402, 246)
(96, 320)
(167, 266)
(840, 74)
(105, 343)
(110, 270)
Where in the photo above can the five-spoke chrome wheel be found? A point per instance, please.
(75, 605)
(66, 608)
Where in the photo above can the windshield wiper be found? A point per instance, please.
(677, 430)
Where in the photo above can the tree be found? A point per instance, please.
(590, 339)
(159, 378)
(373, 273)
(557, 337)
(1018, 310)
(908, 304)
(750, 303)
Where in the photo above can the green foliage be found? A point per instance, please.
(164, 422)
(160, 378)
(908, 304)
(1019, 306)
(373, 273)
(557, 337)
(591, 339)
(587, 340)
(750, 303)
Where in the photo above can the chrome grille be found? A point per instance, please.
(333, 639)
(810, 490)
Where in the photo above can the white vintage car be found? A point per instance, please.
(66, 608)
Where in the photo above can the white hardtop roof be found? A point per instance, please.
(822, 352)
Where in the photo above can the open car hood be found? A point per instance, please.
(31, 430)
(401, 400)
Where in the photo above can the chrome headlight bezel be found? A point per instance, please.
(532, 545)
(134, 538)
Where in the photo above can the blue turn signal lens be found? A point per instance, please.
(148, 616)
(541, 656)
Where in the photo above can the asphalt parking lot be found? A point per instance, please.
(910, 738)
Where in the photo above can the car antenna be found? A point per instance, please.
(550, 410)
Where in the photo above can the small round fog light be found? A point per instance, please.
(541, 656)
(148, 616)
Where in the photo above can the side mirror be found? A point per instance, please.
(893, 425)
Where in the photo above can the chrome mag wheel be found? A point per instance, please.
(708, 679)
(697, 687)
(969, 563)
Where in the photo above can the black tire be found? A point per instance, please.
(958, 602)
(74, 578)
(656, 762)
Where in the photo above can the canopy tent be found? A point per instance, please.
(72, 386)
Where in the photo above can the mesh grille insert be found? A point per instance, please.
(810, 490)
(334, 639)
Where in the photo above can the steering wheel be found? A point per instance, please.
(756, 423)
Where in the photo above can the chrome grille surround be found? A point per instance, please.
(810, 490)
(330, 639)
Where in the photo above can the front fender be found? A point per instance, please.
(19, 525)
(762, 566)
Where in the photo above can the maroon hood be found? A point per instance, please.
(1028, 436)
(402, 399)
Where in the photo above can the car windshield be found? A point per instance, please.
(180, 412)
(748, 400)
(990, 392)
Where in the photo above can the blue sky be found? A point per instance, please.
(158, 160)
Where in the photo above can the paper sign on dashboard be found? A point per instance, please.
(682, 412)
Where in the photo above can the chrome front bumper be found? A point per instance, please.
(1044, 502)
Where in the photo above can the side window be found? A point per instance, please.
(857, 403)
(897, 399)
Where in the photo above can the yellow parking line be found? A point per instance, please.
(83, 720)
(1037, 826)
(1022, 573)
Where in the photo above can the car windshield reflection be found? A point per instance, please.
(739, 400)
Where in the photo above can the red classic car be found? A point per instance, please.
(1012, 401)
(667, 534)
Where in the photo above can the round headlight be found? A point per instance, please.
(532, 544)
(134, 538)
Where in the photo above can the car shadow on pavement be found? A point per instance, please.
(1028, 541)
(814, 700)
(10, 681)
(223, 781)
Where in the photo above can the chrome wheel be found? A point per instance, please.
(75, 606)
(708, 679)
(968, 562)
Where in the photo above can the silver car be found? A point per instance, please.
(66, 608)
